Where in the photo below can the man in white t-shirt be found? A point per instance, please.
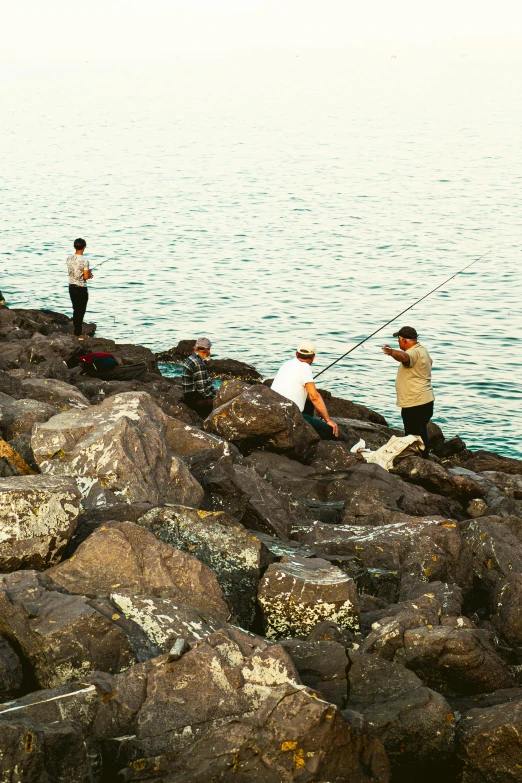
(294, 380)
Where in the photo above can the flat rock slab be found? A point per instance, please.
(55, 393)
(236, 556)
(117, 450)
(38, 516)
(296, 594)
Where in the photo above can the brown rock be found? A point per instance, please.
(121, 557)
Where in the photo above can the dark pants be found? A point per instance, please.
(416, 421)
(201, 405)
(321, 427)
(79, 298)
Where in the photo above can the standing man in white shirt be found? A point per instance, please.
(294, 380)
(413, 383)
(79, 273)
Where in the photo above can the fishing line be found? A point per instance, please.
(401, 313)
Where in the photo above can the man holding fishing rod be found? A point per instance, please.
(413, 383)
(79, 273)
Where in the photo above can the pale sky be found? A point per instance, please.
(58, 28)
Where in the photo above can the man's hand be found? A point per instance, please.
(387, 350)
(334, 426)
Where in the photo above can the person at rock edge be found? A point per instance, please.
(79, 273)
(294, 380)
(198, 392)
(415, 395)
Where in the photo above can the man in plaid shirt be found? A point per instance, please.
(198, 392)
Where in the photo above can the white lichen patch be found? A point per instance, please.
(161, 619)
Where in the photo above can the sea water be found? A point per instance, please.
(261, 198)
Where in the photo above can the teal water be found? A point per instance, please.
(264, 198)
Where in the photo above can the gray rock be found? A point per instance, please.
(163, 620)
(296, 594)
(11, 387)
(183, 487)
(234, 554)
(482, 461)
(61, 636)
(19, 416)
(436, 478)
(496, 548)
(454, 660)
(38, 516)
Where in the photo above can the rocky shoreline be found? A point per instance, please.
(231, 599)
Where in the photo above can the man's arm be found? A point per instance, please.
(318, 403)
(395, 353)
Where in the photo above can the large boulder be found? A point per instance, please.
(296, 594)
(416, 725)
(234, 554)
(121, 557)
(260, 416)
(117, 451)
(292, 736)
(489, 744)
(38, 516)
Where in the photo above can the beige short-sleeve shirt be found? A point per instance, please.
(413, 383)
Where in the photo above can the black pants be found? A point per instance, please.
(201, 405)
(79, 298)
(416, 421)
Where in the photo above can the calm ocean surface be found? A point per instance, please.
(260, 199)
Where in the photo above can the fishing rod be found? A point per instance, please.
(402, 313)
(104, 262)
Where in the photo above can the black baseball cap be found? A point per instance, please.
(408, 332)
